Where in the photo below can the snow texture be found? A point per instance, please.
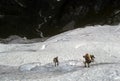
(22, 61)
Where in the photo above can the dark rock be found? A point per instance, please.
(31, 18)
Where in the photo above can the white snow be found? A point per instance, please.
(28, 67)
(14, 39)
(22, 61)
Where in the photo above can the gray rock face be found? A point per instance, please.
(30, 18)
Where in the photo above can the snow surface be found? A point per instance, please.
(22, 61)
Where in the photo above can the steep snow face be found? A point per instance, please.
(34, 62)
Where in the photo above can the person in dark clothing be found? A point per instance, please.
(56, 61)
(88, 59)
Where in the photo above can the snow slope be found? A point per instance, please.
(33, 61)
